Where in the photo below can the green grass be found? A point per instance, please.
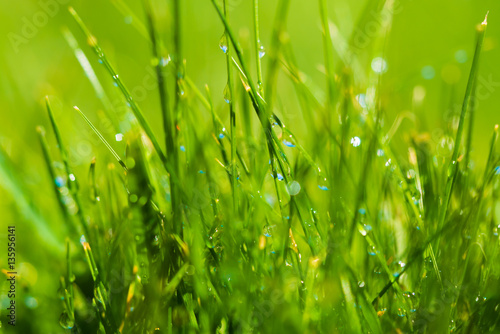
(208, 214)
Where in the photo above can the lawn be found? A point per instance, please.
(246, 166)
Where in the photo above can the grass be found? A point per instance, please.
(256, 226)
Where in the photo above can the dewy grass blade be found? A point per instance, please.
(452, 169)
(90, 74)
(328, 54)
(130, 100)
(52, 174)
(104, 141)
(258, 103)
(259, 49)
(274, 49)
(73, 185)
(167, 115)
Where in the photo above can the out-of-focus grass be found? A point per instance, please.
(251, 166)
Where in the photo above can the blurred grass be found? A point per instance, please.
(292, 229)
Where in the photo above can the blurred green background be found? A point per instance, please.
(429, 46)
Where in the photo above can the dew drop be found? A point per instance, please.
(65, 321)
(262, 50)
(119, 137)
(223, 43)
(59, 182)
(355, 141)
(293, 188)
(190, 270)
(372, 251)
(227, 94)
(361, 98)
(165, 61)
(133, 198)
(401, 312)
(279, 176)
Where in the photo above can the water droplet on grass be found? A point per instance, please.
(223, 43)
(165, 61)
(65, 321)
(372, 251)
(361, 98)
(227, 94)
(355, 141)
(279, 176)
(322, 182)
(59, 182)
(190, 270)
(293, 188)
(401, 312)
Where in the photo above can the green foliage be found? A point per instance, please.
(211, 215)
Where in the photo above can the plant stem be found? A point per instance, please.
(481, 29)
(232, 114)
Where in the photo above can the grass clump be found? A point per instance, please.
(230, 221)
